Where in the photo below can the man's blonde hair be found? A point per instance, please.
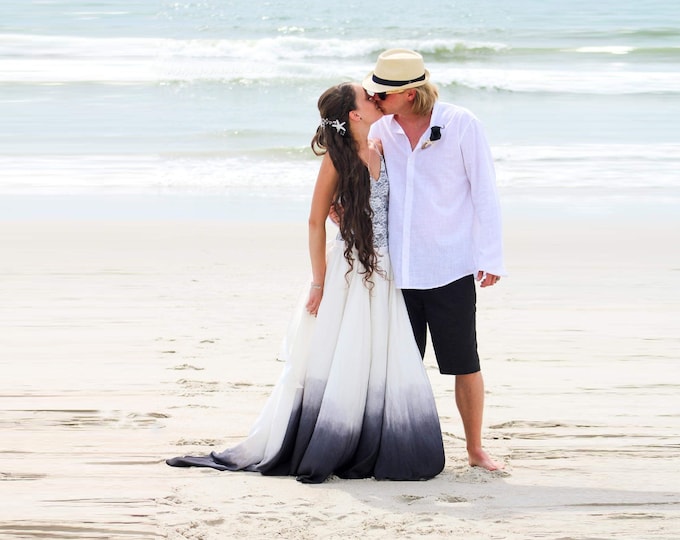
(426, 96)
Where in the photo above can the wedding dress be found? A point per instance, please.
(353, 399)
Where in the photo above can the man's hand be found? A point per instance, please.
(487, 279)
(334, 216)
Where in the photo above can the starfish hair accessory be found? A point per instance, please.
(435, 135)
(339, 126)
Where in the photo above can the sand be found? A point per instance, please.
(122, 344)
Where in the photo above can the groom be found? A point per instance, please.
(444, 222)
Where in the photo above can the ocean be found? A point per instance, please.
(205, 109)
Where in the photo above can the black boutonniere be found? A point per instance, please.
(435, 135)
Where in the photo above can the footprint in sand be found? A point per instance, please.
(451, 499)
(197, 442)
(410, 499)
(477, 475)
(186, 367)
(14, 477)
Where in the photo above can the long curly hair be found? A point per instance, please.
(351, 200)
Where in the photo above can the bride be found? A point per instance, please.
(353, 399)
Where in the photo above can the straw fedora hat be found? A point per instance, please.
(397, 69)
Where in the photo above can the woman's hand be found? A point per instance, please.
(314, 300)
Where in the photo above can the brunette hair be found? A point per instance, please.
(351, 200)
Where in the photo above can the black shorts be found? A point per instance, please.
(450, 314)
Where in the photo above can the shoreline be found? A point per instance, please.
(221, 207)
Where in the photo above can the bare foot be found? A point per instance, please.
(481, 459)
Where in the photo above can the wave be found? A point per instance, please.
(127, 173)
(659, 52)
(614, 168)
(287, 47)
(565, 53)
(293, 61)
(269, 49)
(611, 168)
(661, 32)
(583, 81)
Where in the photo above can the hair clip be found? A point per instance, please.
(339, 126)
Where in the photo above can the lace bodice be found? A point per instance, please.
(380, 189)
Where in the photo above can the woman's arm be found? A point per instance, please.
(325, 187)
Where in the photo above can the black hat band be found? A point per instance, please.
(387, 82)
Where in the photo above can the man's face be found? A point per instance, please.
(386, 101)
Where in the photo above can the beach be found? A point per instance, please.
(127, 342)
(155, 182)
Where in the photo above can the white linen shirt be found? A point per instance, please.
(444, 220)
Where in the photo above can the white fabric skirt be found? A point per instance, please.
(353, 399)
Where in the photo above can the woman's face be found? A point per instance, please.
(367, 109)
